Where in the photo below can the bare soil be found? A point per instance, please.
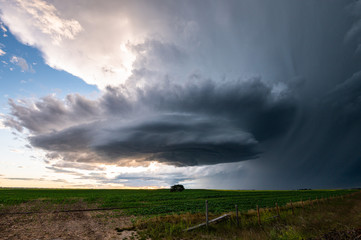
(63, 225)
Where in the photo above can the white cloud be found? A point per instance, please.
(44, 18)
(110, 42)
(2, 52)
(22, 63)
(2, 126)
(80, 40)
(105, 43)
(3, 28)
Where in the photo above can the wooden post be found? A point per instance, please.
(258, 216)
(237, 216)
(302, 203)
(311, 202)
(293, 211)
(278, 210)
(317, 201)
(207, 213)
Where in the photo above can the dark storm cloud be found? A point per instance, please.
(37, 179)
(59, 170)
(192, 124)
(25, 179)
(12, 123)
(78, 166)
(300, 119)
(50, 114)
(180, 140)
(323, 147)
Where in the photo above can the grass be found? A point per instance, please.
(161, 202)
(309, 222)
(159, 214)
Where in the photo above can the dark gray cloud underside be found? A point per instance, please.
(184, 125)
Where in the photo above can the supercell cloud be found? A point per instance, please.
(185, 125)
(200, 84)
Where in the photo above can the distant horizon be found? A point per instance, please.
(216, 189)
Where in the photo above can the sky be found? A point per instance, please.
(243, 94)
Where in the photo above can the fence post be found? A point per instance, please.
(302, 203)
(237, 216)
(293, 211)
(258, 215)
(278, 210)
(207, 213)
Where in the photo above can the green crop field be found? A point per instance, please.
(154, 202)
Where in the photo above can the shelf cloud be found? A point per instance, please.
(185, 125)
